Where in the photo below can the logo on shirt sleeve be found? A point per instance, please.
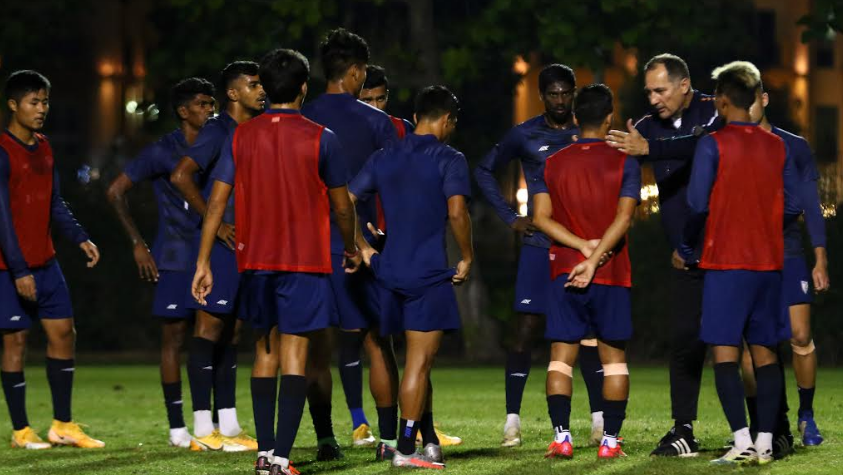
(805, 287)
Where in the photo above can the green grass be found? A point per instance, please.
(123, 406)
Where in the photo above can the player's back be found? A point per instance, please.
(746, 207)
(584, 181)
(282, 207)
(413, 178)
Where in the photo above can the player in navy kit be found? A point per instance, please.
(532, 142)
(375, 92)
(424, 186)
(168, 263)
(31, 282)
(288, 174)
(361, 130)
(796, 284)
(212, 362)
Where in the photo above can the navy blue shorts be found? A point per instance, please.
(532, 284)
(295, 302)
(796, 282)
(604, 311)
(52, 295)
(169, 294)
(430, 308)
(356, 297)
(223, 296)
(742, 305)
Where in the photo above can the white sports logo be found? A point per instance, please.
(526, 301)
(222, 302)
(805, 287)
(15, 318)
(352, 364)
(519, 375)
(172, 306)
(544, 148)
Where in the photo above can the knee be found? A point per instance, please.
(801, 336)
(209, 328)
(62, 336)
(173, 336)
(802, 345)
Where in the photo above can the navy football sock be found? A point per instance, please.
(264, 394)
(727, 379)
(388, 422)
(322, 423)
(559, 409)
(14, 387)
(407, 436)
(60, 377)
(592, 373)
(351, 374)
(614, 413)
(427, 430)
(225, 377)
(173, 403)
(516, 373)
(200, 373)
(769, 396)
(806, 400)
(291, 399)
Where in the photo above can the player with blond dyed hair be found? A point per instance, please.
(741, 192)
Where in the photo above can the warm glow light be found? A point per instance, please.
(520, 66)
(800, 62)
(106, 68)
(649, 191)
(131, 107)
(522, 196)
(631, 63)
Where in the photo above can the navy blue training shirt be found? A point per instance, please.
(176, 222)
(414, 179)
(531, 142)
(205, 151)
(673, 172)
(362, 130)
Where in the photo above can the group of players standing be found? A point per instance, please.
(311, 189)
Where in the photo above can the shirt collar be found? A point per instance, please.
(283, 111)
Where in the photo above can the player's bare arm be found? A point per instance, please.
(147, 270)
(460, 222)
(203, 280)
(366, 250)
(183, 179)
(347, 222)
(583, 273)
(543, 218)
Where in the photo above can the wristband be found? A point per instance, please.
(351, 255)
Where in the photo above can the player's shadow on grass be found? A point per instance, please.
(78, 461)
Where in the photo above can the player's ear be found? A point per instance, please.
(232, 94)
(765, 99)
(304, 90)
(182, 112)
(415, 119)
(576, 122)
(13, 105)
(609, 119)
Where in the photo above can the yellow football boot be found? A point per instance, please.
(69, 433)
(26, 438)
(362, 436)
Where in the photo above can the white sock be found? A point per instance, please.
(562, 435)
(179, 434)
(597, 419)
(229, 426)
(267, 455)
(764, 442)
(281, 461)
(742, 439)
(512, 420)
(609, 440)
(203, 423)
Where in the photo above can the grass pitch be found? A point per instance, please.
(123, 406)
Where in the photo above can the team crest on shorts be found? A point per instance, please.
(804, 287)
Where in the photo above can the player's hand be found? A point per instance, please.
(226, 234)
(630, 143)
(677, 262)
(524, 224)
(588, 248)
(147, 270)
(377, 233)
(367, 254)
(582, 274)
(92, 252)
(820, 275)
(203, 282)
(352, 263)
(463, 269)
(26, 287)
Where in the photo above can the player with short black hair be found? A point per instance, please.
(212, 362)
(281, 167)
(424, 186)
(361, 130)
(31, 282)
(375, 92)
(741, 193)
(585, 201)
(167, 266)
(532, 142)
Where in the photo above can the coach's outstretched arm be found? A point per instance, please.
(460, 222)
(203, 280)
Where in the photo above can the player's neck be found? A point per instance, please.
(239, 113)
(190, 132)
(736, 114)
(426, 128)
(558, 125)
(599, 134)
(765, 124)
(24, 134)
(338, 87)
(296, 105)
